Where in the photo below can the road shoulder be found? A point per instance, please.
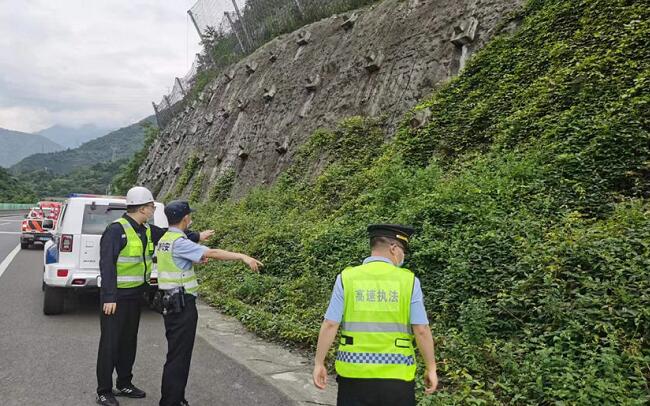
(287, 371)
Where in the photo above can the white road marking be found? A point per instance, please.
(10, 232)
(5, 264)
(2, 224)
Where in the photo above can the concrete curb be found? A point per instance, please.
(287, 371)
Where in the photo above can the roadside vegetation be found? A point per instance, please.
(13, 190)
(529, 188)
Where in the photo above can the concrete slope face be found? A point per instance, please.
(375, 61)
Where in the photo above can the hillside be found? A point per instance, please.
(70, 137)
(13, 191)
(117, 145)
(252, 117)
(17, 145)
(528, 180)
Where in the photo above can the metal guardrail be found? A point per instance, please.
(15, 206)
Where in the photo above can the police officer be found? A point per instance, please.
(380, 309)
(126, 250)
(176, 255)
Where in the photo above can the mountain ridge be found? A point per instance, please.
(17, 145)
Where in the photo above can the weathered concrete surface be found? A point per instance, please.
(285, 370)
(377, 61)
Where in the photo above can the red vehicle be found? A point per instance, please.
(51, 210)
(36, 227)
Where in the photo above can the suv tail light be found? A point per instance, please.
(66, 243)
(62, 273)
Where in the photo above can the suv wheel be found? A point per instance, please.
(24, 245)
(53, 300)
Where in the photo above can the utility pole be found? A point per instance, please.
(232, 26)
(243, 26)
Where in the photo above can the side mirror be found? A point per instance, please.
(48, 224)
(26, 215)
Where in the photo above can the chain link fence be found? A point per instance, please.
(232, 29)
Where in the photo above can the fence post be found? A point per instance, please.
(243, 26)
(155, 109)
(232, 26)
(178, 81)
(198, 31)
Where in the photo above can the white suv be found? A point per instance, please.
(71, 258)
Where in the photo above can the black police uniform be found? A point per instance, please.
(180, 317)
(119, 331)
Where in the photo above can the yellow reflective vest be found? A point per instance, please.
(170, 276)
(376, 333)
(134, 262)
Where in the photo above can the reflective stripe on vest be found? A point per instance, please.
(170, 276)
(133, 264)
(372, 327)
(376, 333)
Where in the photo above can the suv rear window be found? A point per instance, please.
(97, 217)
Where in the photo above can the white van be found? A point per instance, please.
(71, 258)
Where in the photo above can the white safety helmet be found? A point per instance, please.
(138, 195)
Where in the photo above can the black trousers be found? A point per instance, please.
(118, 345)
(180, 330)
(375, 392)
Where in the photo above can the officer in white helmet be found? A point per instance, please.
(125, 262)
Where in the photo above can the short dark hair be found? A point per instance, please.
(384, 241)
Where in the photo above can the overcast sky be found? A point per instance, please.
(73, 62)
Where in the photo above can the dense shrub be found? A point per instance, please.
(529, 190)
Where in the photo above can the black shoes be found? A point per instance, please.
(130, 391)
(185, 403)
(107, 400)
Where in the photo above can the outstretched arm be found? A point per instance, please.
(223, 255)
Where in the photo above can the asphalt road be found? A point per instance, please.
(50, 360)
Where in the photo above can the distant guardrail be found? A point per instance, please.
(15, 206)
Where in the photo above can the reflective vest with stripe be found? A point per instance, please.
(170, 276)
(376, 334)
(134, 263)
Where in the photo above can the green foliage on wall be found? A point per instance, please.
(223, 186)
(197, 185)
(530, 192)
(191, 165)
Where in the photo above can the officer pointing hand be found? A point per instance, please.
(176, 256)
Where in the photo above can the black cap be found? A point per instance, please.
(397, 232)
(176, 210)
